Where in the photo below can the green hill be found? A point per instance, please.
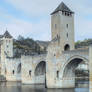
(27, 46)
(84, 43)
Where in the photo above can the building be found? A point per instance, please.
(56, 69)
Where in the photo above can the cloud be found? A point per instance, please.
(34, 7)
(40, 30)
(83, 29)
(41, 9)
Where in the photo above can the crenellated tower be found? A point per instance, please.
(62, 27)
(6, 50)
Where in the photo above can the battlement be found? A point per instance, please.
(86, 51)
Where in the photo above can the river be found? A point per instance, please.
(18, 87)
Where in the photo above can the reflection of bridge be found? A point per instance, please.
(76, 78)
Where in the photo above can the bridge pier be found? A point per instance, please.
(60, 82)
(90, 68)
(68, 83)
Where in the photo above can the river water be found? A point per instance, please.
(18, 87)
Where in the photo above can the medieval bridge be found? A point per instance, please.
(33, 69)
(51, 70)
(56, 69)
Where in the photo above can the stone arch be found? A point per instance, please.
(67, 47)
(71, 64)
(19, 69)
(40, 68)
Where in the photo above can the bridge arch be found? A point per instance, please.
(40, 73)
(71, 64)
(69, 68)
(40, 68)
(19, 69)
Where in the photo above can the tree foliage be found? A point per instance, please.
(26, 45)
(83, 43)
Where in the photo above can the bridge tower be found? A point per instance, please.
(6, 50)
(62, 27)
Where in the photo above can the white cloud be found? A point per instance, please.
(34, 7)
(83, 29)
(41, 30)
(42, 7)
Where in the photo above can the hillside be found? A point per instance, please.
(28, 46)
(83, 44)
(43, 44)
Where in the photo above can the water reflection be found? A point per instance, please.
(17, 87)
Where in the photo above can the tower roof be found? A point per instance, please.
(62, 7)
(7, 35)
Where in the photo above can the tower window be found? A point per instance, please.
(5, 71)
(13, 71)
(67, 35)
(7, 52)
(57, 74)
(55, 26)
(9, 41)
(7, 46)
(54, 55)
(62, 12)
(30, 72)
(65, 13)
(57, 36)
(67, 25)
(68, 14)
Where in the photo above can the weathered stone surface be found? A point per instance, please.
(29, 63)
(90, 67)
(2, 78)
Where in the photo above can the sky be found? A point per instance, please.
(31, 18)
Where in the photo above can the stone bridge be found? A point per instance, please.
(33, 69)
(55, 70)
(13, 69)
(61, 67)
